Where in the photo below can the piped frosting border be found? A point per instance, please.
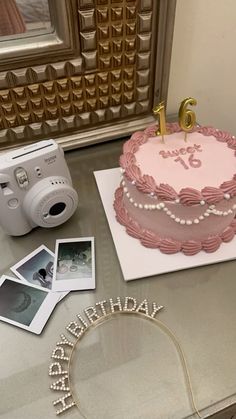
(169, 245)
(187, 196)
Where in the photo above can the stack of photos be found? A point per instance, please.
(44, 280)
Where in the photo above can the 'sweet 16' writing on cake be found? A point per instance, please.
(178, 195)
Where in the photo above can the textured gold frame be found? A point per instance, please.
(110, 67)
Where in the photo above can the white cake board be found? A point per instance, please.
(137, 261)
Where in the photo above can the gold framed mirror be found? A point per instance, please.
(35, 31)
(94, 76)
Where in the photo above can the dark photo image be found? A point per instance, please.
(74, 265)
(20, 302)
(74, 260)
(36, 268)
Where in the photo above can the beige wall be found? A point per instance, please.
(204, 61)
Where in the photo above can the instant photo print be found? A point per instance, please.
(36, 268)
(25, 305)
(74, 265)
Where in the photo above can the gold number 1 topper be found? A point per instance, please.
(159, 110)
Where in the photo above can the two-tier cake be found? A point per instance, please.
(178, 195)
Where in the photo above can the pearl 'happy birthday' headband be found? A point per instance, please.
(97, 315)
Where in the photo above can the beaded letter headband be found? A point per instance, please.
(62, 354)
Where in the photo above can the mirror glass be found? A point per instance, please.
(24, 18)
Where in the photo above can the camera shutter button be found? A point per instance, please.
(21, 177)
(13, 203)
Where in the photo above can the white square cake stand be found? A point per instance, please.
(137, 261)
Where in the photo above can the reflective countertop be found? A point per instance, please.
(123, 375)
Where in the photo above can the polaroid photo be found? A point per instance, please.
(25, 305)
(74, 265)
(37, 269)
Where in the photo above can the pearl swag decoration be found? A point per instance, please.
(162, 207)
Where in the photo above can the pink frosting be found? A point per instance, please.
(139, 137)
(133, 172)
(233, 225)
(133, 229)
(191, 247)
(211, 244)
(173, 127)
(232, 143)
(229, 187)
(206, 130)
(168, 245)
(227, 235)
(118, 197)
(150, 239)
(146, 184)
(166, 192)
(190, 196)
(121, 214)
(212, 195)
(130, 146)
(222, 136)
(127, 160)
(151, 130)
(187, 196)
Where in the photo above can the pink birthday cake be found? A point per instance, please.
(177, 195)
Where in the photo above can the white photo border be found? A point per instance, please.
(74, 284)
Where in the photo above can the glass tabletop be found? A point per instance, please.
(125, 369)
(117, 370)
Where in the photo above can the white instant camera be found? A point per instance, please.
(35, 188)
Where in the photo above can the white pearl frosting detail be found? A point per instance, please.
(162, 207)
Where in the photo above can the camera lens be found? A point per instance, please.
(57, 208)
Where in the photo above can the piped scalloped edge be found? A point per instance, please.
(187, 196)
(168, 245)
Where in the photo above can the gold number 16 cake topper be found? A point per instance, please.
(187, 118)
